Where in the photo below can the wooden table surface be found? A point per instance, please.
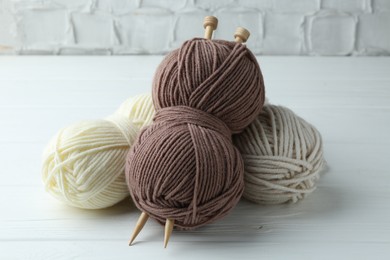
(347, 217)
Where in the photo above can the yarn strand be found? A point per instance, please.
(84, 163)
(282, 156)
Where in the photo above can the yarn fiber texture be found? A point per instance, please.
(184, 166)
(84, 163)
(283, 156)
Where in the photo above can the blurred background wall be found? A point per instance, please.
(278, 27)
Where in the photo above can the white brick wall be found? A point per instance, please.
(331, 33)
(278, 27)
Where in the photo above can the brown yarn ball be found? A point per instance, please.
(184, 166)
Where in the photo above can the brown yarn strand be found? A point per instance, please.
(184, 167)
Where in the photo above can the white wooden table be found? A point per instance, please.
(347, 217)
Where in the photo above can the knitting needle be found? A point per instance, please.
(168, 231)
(241, 35)
(210, 23)
(138, 227)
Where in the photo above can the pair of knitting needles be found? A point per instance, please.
(210, 24)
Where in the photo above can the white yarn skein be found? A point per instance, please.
(283, 156)
(84, 163)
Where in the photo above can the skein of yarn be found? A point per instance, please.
(282, 154)
(184, 167)
(84, 163)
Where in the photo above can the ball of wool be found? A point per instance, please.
(84, 163)
(282, 154)
(184, 166)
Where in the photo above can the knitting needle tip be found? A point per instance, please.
(138, 227)
(241, 35)
(168, 231)
(210, 23)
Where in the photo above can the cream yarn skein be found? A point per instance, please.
(282, 154)
(84, 163)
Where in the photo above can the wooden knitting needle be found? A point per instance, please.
(210, 23)
(138, 227)
(241, 35)
(168, 231)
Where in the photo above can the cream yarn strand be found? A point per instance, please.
(84, 163)
(283, 156)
